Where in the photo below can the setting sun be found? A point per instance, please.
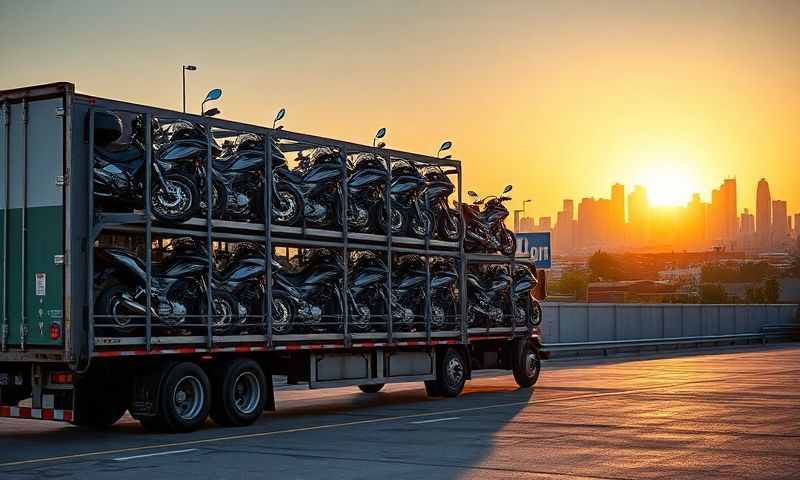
(669, 185)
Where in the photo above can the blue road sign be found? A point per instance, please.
(538, 244)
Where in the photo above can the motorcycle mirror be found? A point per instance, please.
(507, 189)
(472, 194)
(211, 112)
(447, 157)
(279, 116)
(280, 127)
(381, 133)
(213, 94)
(381, 144)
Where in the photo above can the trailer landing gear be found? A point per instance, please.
(371, 387)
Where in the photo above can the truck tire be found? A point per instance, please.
(239, 393)
(371, 387)
(451, 373)
(527, 365)
(183, 400)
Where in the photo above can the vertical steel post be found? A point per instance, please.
(209, 239)
(268, 179)
(428, 293)
(6, 208)
(387, 197)
(463, 262)
(23, 326)
(148, 228)
(90, 235)
(348, 340)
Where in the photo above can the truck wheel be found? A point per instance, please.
(451, 373)
(183, 398)
(239, 393)
(527, 366)
(371, 387)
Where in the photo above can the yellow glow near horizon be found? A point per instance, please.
(669, 178)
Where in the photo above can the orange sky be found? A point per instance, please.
(560, 98)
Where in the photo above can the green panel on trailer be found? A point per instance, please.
(30, 173)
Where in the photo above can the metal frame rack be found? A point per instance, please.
(215, 230)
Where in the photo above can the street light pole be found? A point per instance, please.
(191, 68)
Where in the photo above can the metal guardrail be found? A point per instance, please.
(586, 327)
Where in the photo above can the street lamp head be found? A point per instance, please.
(214, 94)
(445, 146)
(380, 134)
(191, 68)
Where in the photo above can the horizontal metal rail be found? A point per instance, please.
(642, 342)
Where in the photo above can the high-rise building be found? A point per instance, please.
(617, 214)
(526, 224)
(797, 225)
(695, 221)
(780, 224)
(748, 224)
(638, 215)
(544, 224)
(563, 240)
(763, 214)
(729, 222)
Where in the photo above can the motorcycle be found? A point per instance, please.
(486, 290)
(120, 173)
(366, 295)
(521, 306)
(446, 221)
(444, 278)
(238, 289)
(486, 231)
(310, 296)
(408, 292)
(407, 199)
(178, 289)
(313, 189)
(366, 185)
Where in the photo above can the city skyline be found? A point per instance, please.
(631, 222)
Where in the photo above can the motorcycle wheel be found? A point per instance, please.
(537, 315)
(443, 312)
(421, 226)
(228, 312)
(508, 243)
(450, 226)
(219, 200)
(359, 218)
(177, 204)
(110, 311)
(522, 312)
(282, 313)
(287, 207)
(398, 220)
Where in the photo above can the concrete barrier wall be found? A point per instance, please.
(597, 322)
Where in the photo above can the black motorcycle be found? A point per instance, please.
(444, 278)
(521, 306)
(366, 295)
(486, 231)
(120, 171)
(446, 221)
(312, 191)
(308, 297)
(178, 289)
(239, 288)
(366, 185)
(487, 288)
(409, 212)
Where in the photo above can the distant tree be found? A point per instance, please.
(574, 282)
(604, 266)
(712, 293)
(754, 295)
(772, 290)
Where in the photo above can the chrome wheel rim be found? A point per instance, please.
(437, 315)
(455, 372)
(280, 315)
(286, 207)
(246, 393)
(188, 397)
(361, 318)
(531, 364)
(175, 200)
(223, 311)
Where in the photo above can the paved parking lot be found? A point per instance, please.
(724, 414)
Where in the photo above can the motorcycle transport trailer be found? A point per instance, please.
(189, 345)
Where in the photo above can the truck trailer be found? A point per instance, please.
(167, 340)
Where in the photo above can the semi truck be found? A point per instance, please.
(112, 307)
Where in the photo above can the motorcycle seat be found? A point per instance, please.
(129, 154)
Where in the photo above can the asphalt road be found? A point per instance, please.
(725, 414)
